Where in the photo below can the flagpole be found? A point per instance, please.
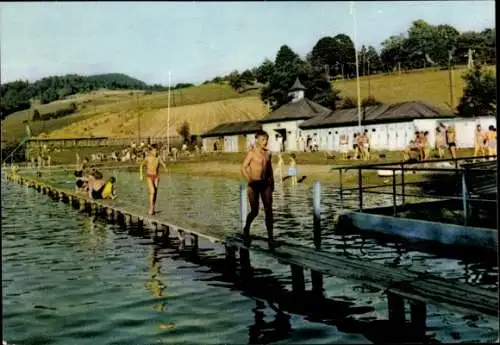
(168, 112)
(358, 87)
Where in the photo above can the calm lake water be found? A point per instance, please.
(67, 279)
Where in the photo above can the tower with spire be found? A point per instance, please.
(297, 91)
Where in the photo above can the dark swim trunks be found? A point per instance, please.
(259, 186)
(97, 194)
(78, 173)
(452, 144)
(79, 183)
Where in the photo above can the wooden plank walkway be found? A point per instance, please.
(399, 283)
(409, 284)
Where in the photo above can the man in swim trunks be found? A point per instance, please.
(451, 141)
(152, 163)
(258, 171)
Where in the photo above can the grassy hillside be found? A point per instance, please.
(103, 103)
(153, 122)
(115, 113)
(425, 85)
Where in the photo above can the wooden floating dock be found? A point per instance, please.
(400, 284)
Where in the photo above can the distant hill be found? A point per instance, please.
(19, 95)
(117, 80)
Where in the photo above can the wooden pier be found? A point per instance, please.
(400, 284)
(466, 190)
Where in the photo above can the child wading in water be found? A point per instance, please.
(292, 169)
(258, 171)
(281, 163)
(152, 163)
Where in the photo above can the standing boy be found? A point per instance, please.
(152, 163)
(258, 171)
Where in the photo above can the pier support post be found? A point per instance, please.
(182, 238)
(418, 312)
(230, 260)
(402, 184)
(360, 189)
(394, 192)
(194, 243)
(244, 252)
(396, 306)
(317, 277)
(465, 199)
(166, 233)
(128, 219)
(140, 224)
(82, 205)
(298, 281)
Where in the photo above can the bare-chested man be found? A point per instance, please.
(479, 139)
(451, 140)
(258, 171)
(152, 163)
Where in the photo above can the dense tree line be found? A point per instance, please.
(18, 95)
(424, 45)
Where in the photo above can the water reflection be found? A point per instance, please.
(119, 270)
(262, 332)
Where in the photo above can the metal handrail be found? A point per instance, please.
(433, 196)
(403, 163)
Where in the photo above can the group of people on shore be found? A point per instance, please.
(92, 181)
(419, 147)
(485, 142)
(361, 145)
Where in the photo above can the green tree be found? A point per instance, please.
(264, 71)
(247, 77)
(326, 52)
(480, 93)
(235, 80)
(392, 52)
(347, 55)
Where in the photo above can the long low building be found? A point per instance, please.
(302, 122)
(231, 136)
(390, 126)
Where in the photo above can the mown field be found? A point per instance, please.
(200, 117)
(120, 103)
(426, 85)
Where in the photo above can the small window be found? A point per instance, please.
(373, 130)
(289, 132)
(336, 132)
(330, 132)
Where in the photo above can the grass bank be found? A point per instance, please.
(428, 85)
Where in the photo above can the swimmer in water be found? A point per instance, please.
(152, 163)
(258, 171)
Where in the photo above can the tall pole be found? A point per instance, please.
(369, 80)
(450, 74)
(358, 87)
(168, 112)
(138, 119)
